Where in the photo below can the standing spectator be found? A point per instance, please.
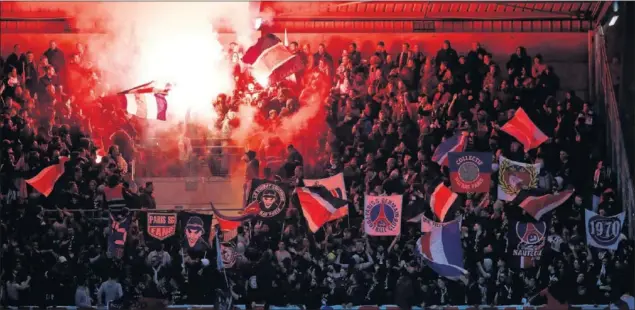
(147, 200)
(354, 55)
(447, 54)
(55, 57)
(110, 290)
(16, 60)
(82, 295)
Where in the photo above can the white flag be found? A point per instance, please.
(603, 232)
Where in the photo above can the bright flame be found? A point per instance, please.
(98, 159)
(613, 20)
(258, 23)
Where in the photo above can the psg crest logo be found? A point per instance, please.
(271, 197)
(531, 237)
(382, 215)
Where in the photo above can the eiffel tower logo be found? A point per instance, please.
(382, 220)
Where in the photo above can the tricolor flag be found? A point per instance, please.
(441, 200)
(524, 130)
(146, 101)
(335, 184)
(318, 205)
(44, 182)
(270, 59)
(537, 203)
(250, 211)
(456, 143)
(442, 251)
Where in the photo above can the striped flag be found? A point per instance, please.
(44, 182)
(146, 101)
(524, 130)
(442, 251)
(538, 204)
(441, 200)
(456, 143)
(270, 59)
(335, 184)
(318, 205)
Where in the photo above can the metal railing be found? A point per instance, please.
(614, 135)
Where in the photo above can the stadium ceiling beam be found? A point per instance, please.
(546, 13)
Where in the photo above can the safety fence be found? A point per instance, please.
(614, 135)
(386, 307)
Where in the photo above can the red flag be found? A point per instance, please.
(319, 206)
(44, 182)
(538, 205)
(524, 130)
(441, 200)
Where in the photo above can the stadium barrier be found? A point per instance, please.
(386, 307)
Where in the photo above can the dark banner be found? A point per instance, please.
(470, 172)
(160, 225)
(196, 230)
(271, 197)
(118, 233)
(526, 242)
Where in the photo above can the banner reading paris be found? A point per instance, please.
(470, 172)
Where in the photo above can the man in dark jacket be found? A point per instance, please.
(55, 57)
(447, 54)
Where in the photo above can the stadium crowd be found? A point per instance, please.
(384, 115)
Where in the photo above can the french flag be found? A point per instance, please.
(441, 200)
(524, 130)
(538, 204)
(44, 182)
(146, 101)
(442, 251)
(318, 205)
(456, 143)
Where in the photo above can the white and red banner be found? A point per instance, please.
(514, 176)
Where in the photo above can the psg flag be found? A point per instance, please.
(271, 197)
(196, 231)
(470, 172)
(271, 59)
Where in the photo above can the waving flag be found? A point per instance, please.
(456, 143)
(44, 182)
(382, 215)
(470, 172)
(525, 243)
(442, 251)
(538, 204)
(441, 200)
(118, 233)
(318, 205)
(524, 130)
(219, 253)
(515, 176)
(335, 184)
(252, 210)
(603, 232)
(270, 59)
(146, 101)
